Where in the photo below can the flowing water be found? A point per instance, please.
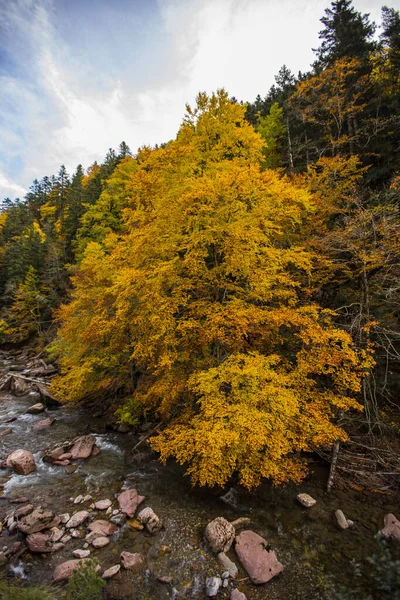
(307, 541)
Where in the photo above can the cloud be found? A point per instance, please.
(9, 188)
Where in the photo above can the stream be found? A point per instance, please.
(307, 541)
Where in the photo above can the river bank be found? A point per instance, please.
(308, 542)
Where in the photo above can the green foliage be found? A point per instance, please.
(85, 582)
(272, 129)
(13, 592)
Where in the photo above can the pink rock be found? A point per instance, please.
(42, 424)
(220, 535)
(148, 517)
(56, 534)
(81, 553)
(95, 451)
(77, 519)
(57, 547)
(21, 461)
(100, 542)
(260, 564)
(392, 527)
(64, 571)
(39, 542)
(23, 511)
(132, 561)
(65, 456)
(236, 595)
(164, 579)
(103, 504)
(61, 463)
(111, 572)
(128, 501)
(37, 521)
(82, 447)
(103, 527)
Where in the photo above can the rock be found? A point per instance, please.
(148, 517)
(103, 504)
(70, 469)
(78, 499)
(64, 571)
(6, 431)
(128, 502)
(21, 461)
(350, 523)
(35, 409)
(56, 534)
(53, 455)
(228, 564)
(95, 451)
(104, 527)
(164, 579)
(87, 497)
(39, 542)
(100, 542)
(57, 547)
(78, 535)
(66, 538)
(15, 548)
(19, 386)
(220, 535)
(81, 553)
(38, 520)
(236, 595)
(64, 518)
(118, 519)
(42, 424)
(135, 525)
(306, 500)
(77, 519)
(20, 500)
(5, 382)
(65, 456)
(392, 527)
(341, 520)
(240, 522)
(23, 511)
(260, 564)
(132, 561)
(3, 559)
(82, 447)
(212, 586)
(111, 572)
(61, 463)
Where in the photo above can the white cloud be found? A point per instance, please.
(10, 189)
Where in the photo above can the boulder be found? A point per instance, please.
(81, 553)
(21, 461)
(228, 564)
(100, 542)
(82, 447)
(128, 501)
(77, 519)
(19, 386)
(392, 528)
(64, 571)
(132, 561)
(56, 534)
(23, 511)
(260, 564)
(38, 520)
(103, 527)
(36, 408)
(148, 517)
(220, 535)
(111, 572)
(103, 504)
(52, 455)
(39, 542)
(212, 586)
(306, 500)
(42, 424)
(236, 595)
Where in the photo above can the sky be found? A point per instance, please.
(79, 76)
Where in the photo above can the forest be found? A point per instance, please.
(239, 285)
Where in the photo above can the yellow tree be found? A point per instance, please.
(203, 303)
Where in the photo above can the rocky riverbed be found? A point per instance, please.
(90, 494)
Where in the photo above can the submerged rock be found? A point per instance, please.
(42, 424)
(260, 564)
(132, 561)
(220, 535)
(21, 461)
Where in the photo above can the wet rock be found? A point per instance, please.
(341, 520)
(260, 564)
(306, 500)
(240, 522)
(35, 409)
(392, 528)
(78, 499)
(236, 595)
(132, 561)
(81, 553)
(82, 447)
(111, 572)
(100, 542)
(21, 461)
(148, 517)
(164, 579)
(23, 511)
(56, 534)
(227, 564)
(42, 424)
(20, 500)
(212, 586)
(6, 431)
(118, 519)
(53, 455)
(220, 535)
(39, 542)
(64, 571)
(103, 504)
(128, 502)
(19, 386)
(104, 527)
(77, 519)
(135, 525)
(64, 518)
(38, 520)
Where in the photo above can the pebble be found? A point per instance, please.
(78, 499)
(212, 586)
(341, 519)
(100, 542)
(306, 500)
(65, 518)
(81, 553)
